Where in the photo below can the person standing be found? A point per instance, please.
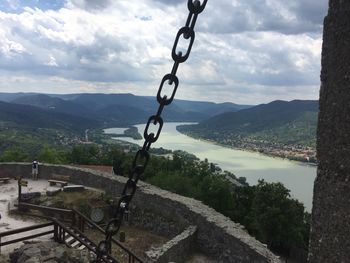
(35, 169)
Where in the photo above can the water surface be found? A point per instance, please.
(297, 177)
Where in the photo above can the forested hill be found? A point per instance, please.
(289, 123)
(55, 104)
(120, 109)
(29, 128)
(26, 116)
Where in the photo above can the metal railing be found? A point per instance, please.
(25, 229)
(60, 231)
(77, 220)
(132, 258)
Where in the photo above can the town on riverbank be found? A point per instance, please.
(294, 152)
(298, 153)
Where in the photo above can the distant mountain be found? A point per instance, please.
(55, 105)
(209, 108)
(99, 101)
(8, 97)
(122, 109)
(29, 128)
(123, 114)
(179, 110)
(291, 122)
(127, 109)
(34, 117)
(101, 107)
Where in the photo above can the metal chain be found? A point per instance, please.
(142, 156)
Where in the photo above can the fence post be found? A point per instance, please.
(60, 234)
(82, 224)
(73, 218)
(55, 232)
(63, 235)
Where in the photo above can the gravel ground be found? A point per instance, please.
(137, 240)
(8, 197)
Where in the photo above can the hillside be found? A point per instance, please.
(31, 120)
(120, 109)
(8, 97)
(30, 116)
(209, 108)
(137, 109)
(55, 104)
(127, 109)
(274, 127)
(29, 127)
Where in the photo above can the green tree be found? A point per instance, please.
(14, 155)
(243, 198)
(215, 192)
(85, 154)
(277, 219)
(174, 182)
(49, 155)
(118, 162)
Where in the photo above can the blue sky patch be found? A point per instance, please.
(16, 6)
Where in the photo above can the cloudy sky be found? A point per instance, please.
(245, 51)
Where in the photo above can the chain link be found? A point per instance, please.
(142, 156)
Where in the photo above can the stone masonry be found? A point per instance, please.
(49, 252)
(330, 233)
(179, 248)
(216, 234)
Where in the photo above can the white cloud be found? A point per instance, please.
(52, 62)
(245, 51)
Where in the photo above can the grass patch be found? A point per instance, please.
(82, 201)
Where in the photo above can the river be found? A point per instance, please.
(297, 177)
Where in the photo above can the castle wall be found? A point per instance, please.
(330, 231)
(179, 248)
(216, 235)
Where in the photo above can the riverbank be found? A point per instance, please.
(300, 154)
(298, 177)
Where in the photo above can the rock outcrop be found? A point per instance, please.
(49, 252)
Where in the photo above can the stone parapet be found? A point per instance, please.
(179, 248)
(217, 235)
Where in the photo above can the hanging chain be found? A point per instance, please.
(142, 156)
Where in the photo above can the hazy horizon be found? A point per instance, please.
(141, 96)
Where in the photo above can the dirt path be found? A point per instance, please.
(137, 240)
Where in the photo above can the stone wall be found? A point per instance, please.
(217, 235)
(179, 248)
(156, 221)
(330, 231)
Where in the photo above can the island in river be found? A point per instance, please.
(131, 132)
